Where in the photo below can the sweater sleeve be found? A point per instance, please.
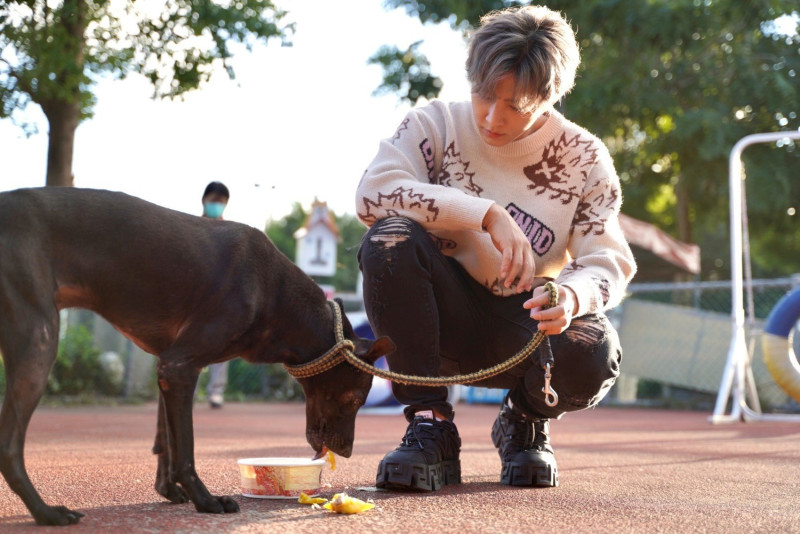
(602, 262)
(402, 179)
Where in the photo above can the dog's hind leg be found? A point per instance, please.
(29, 343)
(164, 486)
(176, 382)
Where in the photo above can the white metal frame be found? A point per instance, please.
(737, 378)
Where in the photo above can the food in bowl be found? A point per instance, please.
(280, 478)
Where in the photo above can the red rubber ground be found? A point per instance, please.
(621, 470)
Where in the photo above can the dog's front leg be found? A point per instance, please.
(176, 383)
(164, 485)
(29, 350)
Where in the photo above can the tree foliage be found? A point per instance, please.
(407, 73)
(671, 86)
(77, 369)
(52, 53)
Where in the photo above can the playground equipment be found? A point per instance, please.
(776, 342)
(737, 378)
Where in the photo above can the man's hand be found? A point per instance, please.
(508, 238)
(556, 319)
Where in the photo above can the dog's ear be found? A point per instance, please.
(369, 350)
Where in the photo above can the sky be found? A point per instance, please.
(297, 123)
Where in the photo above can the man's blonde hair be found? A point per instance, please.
(534, 44)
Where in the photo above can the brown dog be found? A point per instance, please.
(191, 291)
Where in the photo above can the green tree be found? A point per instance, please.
(406, 72)
(52, 53)
(77, 369)
(281, 232)
(671, 85)
(351, 231)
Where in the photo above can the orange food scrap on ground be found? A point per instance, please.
(332, 460)
(344, 504)
(305, 499)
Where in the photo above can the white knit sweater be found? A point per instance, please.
(558, 183)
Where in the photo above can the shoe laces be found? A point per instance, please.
(526, 432)
(419, 430)
(519, 430)
(541, 439)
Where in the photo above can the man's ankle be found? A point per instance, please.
(430, 414)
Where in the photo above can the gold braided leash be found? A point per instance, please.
(343, 350)
(332, 357)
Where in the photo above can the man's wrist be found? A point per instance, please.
(574, 296)
(491, 214)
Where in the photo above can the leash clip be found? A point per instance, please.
(550, 395)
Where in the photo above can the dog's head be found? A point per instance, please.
(334, 397)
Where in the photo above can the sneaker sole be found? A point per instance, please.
(424, 477)
(517, 474)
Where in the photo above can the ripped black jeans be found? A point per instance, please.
(444, 323)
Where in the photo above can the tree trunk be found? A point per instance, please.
(682, 208)
(64, 112)
(684, 223)
(63, 118)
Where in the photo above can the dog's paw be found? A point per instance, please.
(218, 505)
(231, 506)
(172, 492)
(57, 516)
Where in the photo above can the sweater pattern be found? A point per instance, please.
(394, 203)
(551, 173)
(558, 184)
(455, 170)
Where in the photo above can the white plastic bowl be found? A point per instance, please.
(280, 478)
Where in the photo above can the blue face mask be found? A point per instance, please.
(213, 210)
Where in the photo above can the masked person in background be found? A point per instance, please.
(472, 207)
(215, 199)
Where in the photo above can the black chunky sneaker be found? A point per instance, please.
(426, 459)
(524, 447)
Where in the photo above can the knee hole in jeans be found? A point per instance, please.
(391, 231)
(587, 331)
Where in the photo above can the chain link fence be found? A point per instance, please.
(676, 336)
